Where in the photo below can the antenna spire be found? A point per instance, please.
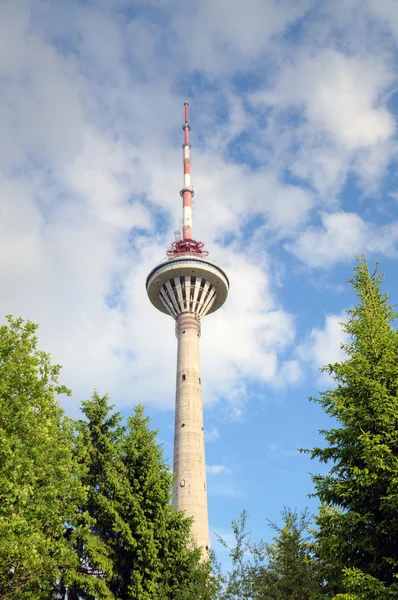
(187, 191)
(186, 244)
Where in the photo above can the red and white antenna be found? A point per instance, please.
(187, 191)
(186, 244)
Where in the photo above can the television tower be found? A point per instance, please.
(187, 286)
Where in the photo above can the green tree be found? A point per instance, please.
(145, 553)
(39, 489)
(290, 570)
(98, 450)
(160, 561)
(285, 569)
(358, 520)
(237, 584)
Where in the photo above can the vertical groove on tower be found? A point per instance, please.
(190, 493)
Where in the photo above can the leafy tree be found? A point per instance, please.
(237, 584)
(143, 541)
(39, 490)
(291, 570)
(284, 569)
(358, 520)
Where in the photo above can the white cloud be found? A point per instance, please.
(248, 335)
(359, 14)
(90, 163)
(41, 113)
(217, 469)
(331, 109)
(290, 374)
(70, 249)
(341, 237)
(222, 32)
(323, 346)
(386, 10)
(344, 99)
(341, 97)
(212, 434)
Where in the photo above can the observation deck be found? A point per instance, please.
(187, 283)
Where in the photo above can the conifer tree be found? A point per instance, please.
(39, 489)
(358, 521)
(98, 449)
(160, 565)
(144, 553)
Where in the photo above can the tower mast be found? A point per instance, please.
(187, 192)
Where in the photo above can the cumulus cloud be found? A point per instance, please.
(79, 209)
(341, 237)
(261, 330)
(358, 14)
(90, 163)
(340, 120)
(340, 95)
(323, 345)
(222, 31)
(217, 469)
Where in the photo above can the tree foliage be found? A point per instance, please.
(39, 486)
(358, 520)
(142, 541)
(97, 449)
(284, 569)
(291, 569)
(85, 508)
(238, 582)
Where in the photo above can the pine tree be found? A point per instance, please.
(159, 564)
(98, 450)
(358, 520)
(142, 550)
(39, 489)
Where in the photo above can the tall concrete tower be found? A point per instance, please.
(187, 286)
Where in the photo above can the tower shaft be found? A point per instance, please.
(190, 493)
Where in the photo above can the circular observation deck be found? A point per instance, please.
(187, 284)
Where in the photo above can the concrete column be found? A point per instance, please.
(190, 492)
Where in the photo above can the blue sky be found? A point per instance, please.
(293, 113)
